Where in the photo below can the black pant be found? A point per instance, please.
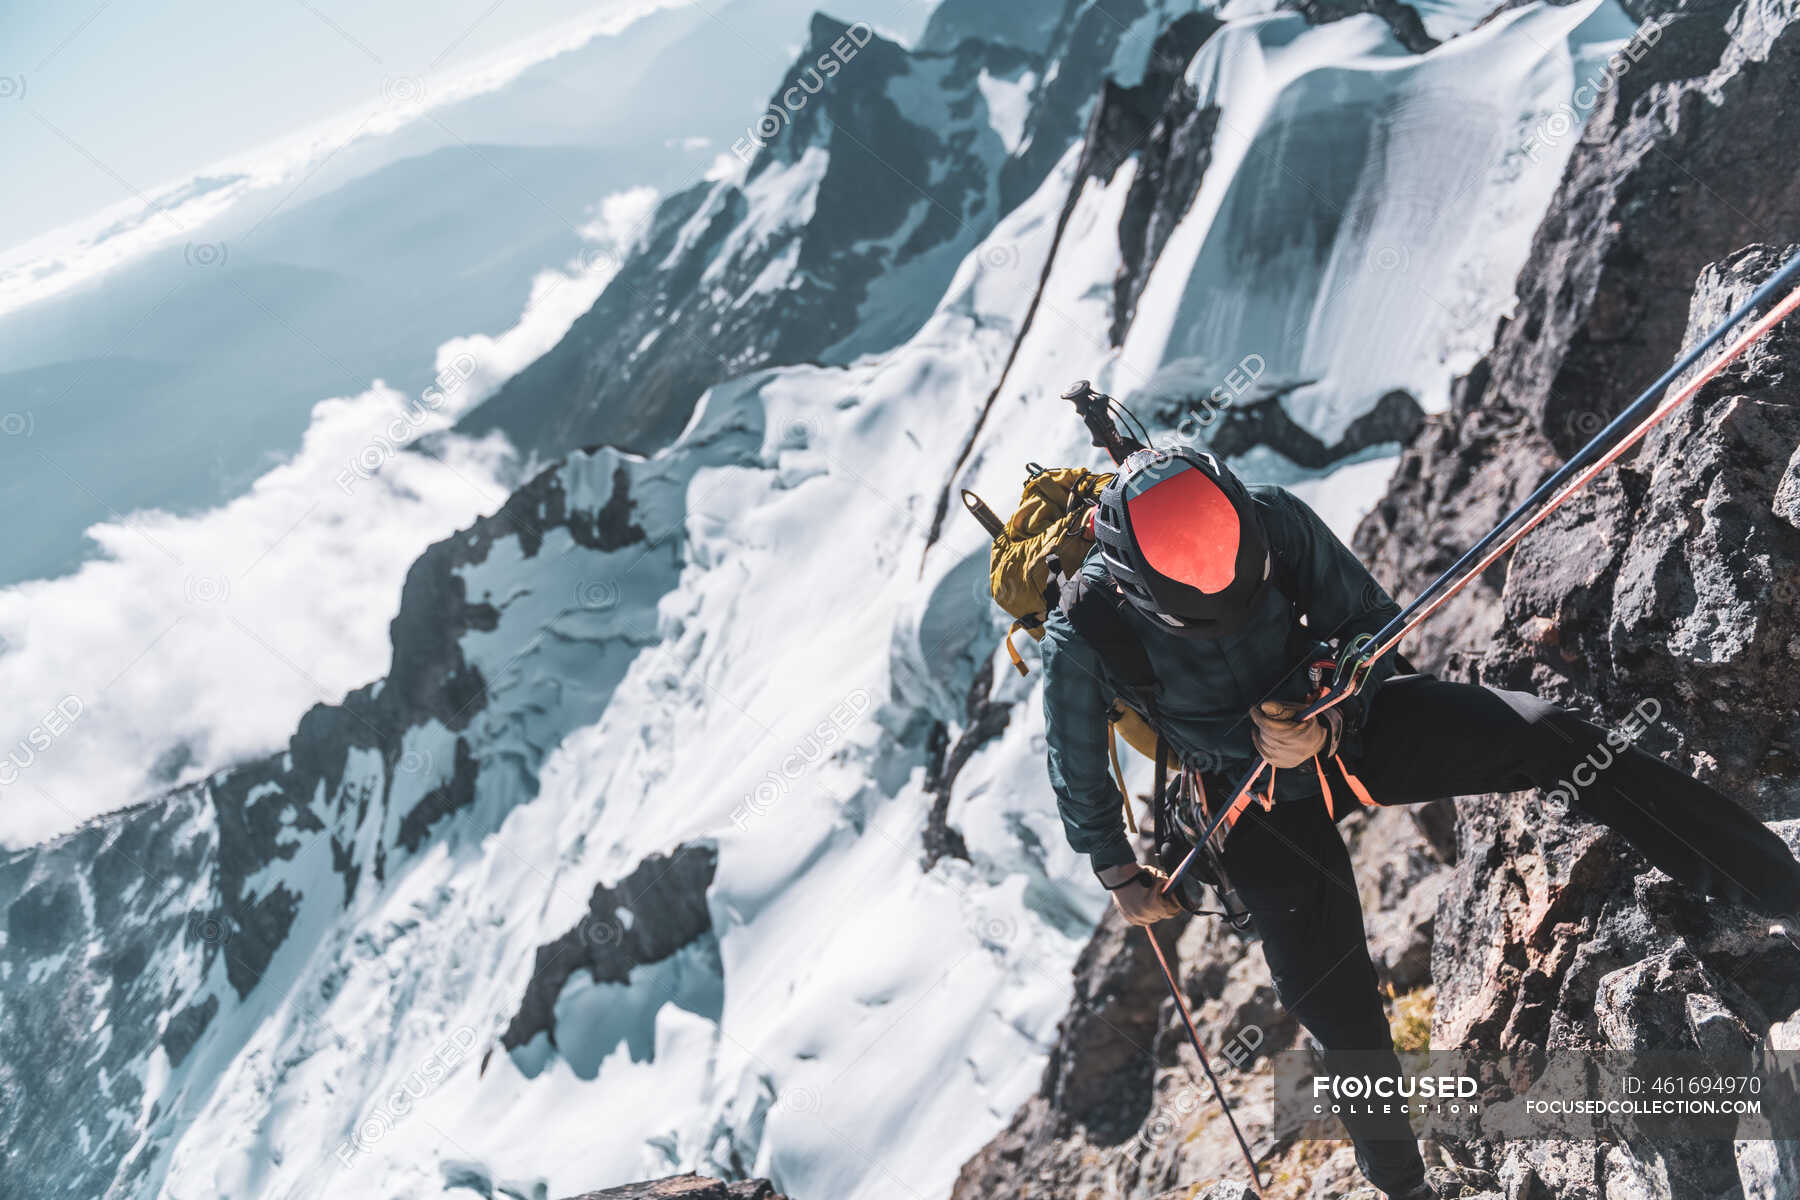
(1426, 739)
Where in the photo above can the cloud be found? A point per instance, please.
(194, 642)
(558, 297)
(94, 244)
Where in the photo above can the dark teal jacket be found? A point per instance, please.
(1205, 688)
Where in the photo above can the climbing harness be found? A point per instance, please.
(1175, 800)
(1636, 421)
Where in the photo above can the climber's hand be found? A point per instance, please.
(1137, 893)
(1287, 742)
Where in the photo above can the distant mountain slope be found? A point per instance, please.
(362, 284)
(875, 182)
(361, 266)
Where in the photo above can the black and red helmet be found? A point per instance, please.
(1178, 533)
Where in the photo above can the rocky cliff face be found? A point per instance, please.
(1519, 928)
(646, 918)
(1669, 582)
(1662, 586)
(1675, 169)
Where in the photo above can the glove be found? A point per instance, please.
(1286, 742)
(1137, 893)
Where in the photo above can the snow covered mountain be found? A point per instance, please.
(871, 175)
(350, 254)
(818, 245)
(621, 869)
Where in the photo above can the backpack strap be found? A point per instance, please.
(1159, 796)
(1112, 753)
(1281, 574)
(1098, 616)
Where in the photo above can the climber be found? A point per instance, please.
(1225, 587)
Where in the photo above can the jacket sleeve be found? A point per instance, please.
(1076, 701)
(1338, 595)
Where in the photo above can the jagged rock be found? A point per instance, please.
(688, 1187)
(1403, 19)
(657, 910)
(986, 719)
(1668, 1002)
(1081, 56)
(1463, 1183)
(1400, 875)
(1660, 585)
(1394, 419)
(1224, 1190)
(1338, 1179)
(1162, 123)
(185, 1028)
(1028, 24)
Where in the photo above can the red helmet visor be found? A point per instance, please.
(1187, 531)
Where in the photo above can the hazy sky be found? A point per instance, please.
(100, 99)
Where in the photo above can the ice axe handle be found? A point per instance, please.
(990, 520)
(1092, 408)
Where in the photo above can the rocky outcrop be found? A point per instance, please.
(1669, 581)
(657, 910)
(1029, 24)
(687, 1187)
(1403, 19)
(1263, 421)
(1074, 93)
(1662, 585)
(984, 720)
(1174, 148)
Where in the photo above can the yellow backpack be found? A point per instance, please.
(1051, 520)
(1051, 523)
